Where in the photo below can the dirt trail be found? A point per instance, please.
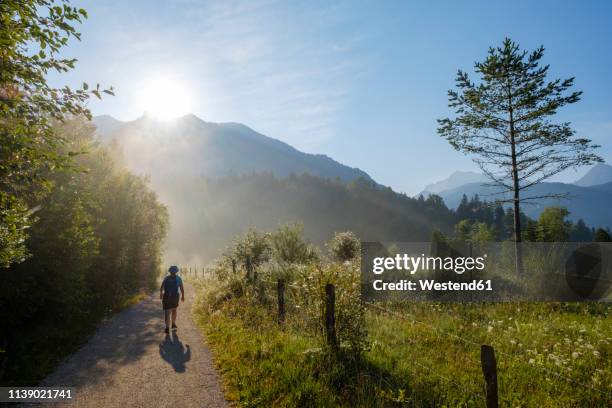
(131, 363)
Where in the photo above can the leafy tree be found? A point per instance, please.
(498, 220)
(96, 243)
(602, 235)
(463, 209)
(344, 246)
(530, 232)
(439, 244)
(580, 232)
(289, 246)
(482, 233)
(252, 250)
(32, 33)
(463, 230)
(505, 122)
(553, 226)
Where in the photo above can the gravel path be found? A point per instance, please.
(130, 362)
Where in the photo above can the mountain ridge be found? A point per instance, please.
(589, 203)
(456, 179)
(199, 147)
(600, 173)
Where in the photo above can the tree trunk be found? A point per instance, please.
(518, 250)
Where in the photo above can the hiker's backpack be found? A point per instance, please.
(171, 286)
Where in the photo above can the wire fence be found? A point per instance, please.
(489, 381)
(467, 341)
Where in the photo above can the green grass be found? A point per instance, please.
(548, 355)
(432, 363)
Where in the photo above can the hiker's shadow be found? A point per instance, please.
(174, 353)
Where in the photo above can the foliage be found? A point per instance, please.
(97, 244)
(239, 305)
(345, 246)
(350, 312)
(32, 34)
(504, 121)
(579, 232)
(13, 229)
(493, 214)
(290, 247)
(483, 221)
(421, 354)
(262, 201)
(602, 235)
(481, 233)
(553, 226)
(252, 250)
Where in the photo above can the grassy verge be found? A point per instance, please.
(549, 355)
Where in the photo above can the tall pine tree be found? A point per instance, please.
(505, 122)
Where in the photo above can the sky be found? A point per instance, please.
(360, 81)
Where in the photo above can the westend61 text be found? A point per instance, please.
(429, 284)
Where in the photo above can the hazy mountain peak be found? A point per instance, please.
(456, 179)
(196, 147)
(598, 174)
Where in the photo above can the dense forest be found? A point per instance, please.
(207, 213)
(485, 221)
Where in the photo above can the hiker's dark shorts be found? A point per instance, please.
(170, 302)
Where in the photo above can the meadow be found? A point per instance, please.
(396, 354)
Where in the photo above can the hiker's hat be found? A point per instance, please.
(173, 269)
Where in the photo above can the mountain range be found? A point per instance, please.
(190, 146)
(588, 198)
(456, 179)
(219, 179)
(598, 174)
(212, 177)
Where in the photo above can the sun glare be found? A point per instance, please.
(165, 97)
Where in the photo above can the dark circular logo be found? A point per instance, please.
(587, 271)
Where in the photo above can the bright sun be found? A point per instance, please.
(165, 97)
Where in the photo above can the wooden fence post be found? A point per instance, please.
(489, 370)
(280, 288)
(330, 315)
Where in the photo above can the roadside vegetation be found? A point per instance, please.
(417, 354)
(80, 236)
(94, 248)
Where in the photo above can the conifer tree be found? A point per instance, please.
(505, 122)
(602, 235)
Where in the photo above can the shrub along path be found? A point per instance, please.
(131, 363)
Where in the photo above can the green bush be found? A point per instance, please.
(345, 246)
